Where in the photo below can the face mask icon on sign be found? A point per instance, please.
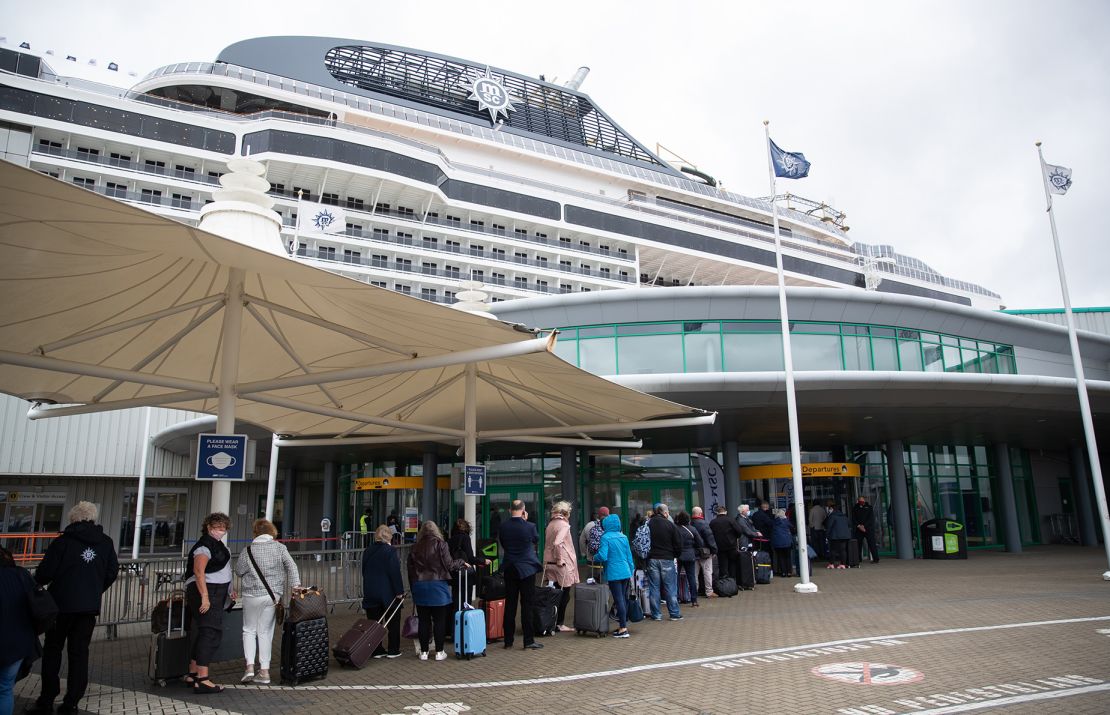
(220, 460)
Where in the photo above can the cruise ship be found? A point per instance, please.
(441, 172)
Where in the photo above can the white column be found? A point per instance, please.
(470, 446)
(271, 481)
(142, 487)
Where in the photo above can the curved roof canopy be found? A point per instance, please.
(108, 306)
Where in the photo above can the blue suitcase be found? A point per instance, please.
(470, 626)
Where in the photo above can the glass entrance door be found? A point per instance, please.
(641, 497)
(494, 509)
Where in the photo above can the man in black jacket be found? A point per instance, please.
(705, 565)
(666, 546)
(748, 532)
(518, 538)
(77, 569)
(727, 533)
(863, 528)
(764, 522)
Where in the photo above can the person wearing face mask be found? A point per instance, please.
(206, 590)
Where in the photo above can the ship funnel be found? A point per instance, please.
(579, 77)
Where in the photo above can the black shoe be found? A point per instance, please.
(533, 646)
(39, 709)
(508, 645)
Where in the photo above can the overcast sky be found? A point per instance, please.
(919, 117)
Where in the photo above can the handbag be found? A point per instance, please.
(44, 610)
(306, 605)
(168, 611)
(410, 628)
(279, 607)
(635, 610)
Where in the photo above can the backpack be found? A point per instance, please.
(593, 541)
(641, 542)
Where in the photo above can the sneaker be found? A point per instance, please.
(657, 618)
(379, 655)
(677, 618)
(830, 566)
(622, 634)
(262, 679)
(247, 677)
(842, 566)
(423, 655)
(392, 655)
(441, 655)
(712, 595)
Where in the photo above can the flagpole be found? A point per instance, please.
(806, 586)
(1080, 380)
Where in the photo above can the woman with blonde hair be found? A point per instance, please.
(430, 567)
(560, 562)
(381, 586)
(265, 569)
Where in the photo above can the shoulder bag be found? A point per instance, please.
(44, 610)
(702, 552)
(306, 605)
(279, 607)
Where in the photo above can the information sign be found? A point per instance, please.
(474, 480)
(222, 456)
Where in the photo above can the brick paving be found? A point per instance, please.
(763, 645)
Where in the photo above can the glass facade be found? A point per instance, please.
(756, 346)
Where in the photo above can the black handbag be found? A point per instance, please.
(44, 610)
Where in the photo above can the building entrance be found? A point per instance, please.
(640, 497)
(30, 513)
(494, 508)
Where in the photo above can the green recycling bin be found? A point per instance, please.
(943, 539)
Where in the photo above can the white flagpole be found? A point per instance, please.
(1080, 380)
(805, 586)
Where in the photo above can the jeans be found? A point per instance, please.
(662, 573)
(71, 631)
(259, 618)
(619, 589)
(7, 683)
(705, 567)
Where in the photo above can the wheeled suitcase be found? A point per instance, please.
(746, 571)
(470, 626)
(853, 554)
(763, 569)
(358, 644)
(545, 609)
(591, 608)
(304, 651)
(169, 648)
(495, 619)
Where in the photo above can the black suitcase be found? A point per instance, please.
(304, 651)
(746, 569)
(853, 554)
(545, 609)
(763, 570)
(169, 648)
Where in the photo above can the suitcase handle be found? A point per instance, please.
(393, 609)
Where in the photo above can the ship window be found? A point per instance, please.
(353, 203)
(329, 199)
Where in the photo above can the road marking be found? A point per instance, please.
(1015, 700)
(709, 661)
(1000, 692)
(866, 673)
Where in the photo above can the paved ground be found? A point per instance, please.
(1007, 633)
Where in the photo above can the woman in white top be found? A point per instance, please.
(206, 590)
(272, 564)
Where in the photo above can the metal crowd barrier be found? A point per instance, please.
(145, 581)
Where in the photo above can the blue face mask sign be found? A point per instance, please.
(222, 456)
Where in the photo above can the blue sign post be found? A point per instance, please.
(474, 480)
(222, 456)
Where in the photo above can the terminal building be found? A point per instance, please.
(437, 173)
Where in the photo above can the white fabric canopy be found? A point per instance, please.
(105, 303)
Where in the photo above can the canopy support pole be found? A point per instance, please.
(142, 488)
(271, 482)
(229, 372)
(470, 445)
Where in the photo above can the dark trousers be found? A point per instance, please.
(619, 589)
(784, 561)
(392, 629)
(817, 541)
(433, 624)
(561, 615)
(205, 629)
(519, 591)
(72, 631)
(838, 551)
(728, 563)
(872, 549)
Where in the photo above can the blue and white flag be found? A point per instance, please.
(320, 218)
(788, 164)
(1057, 178)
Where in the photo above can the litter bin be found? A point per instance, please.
(943, 539)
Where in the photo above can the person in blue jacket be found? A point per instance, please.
(782, 541)
(381, 586)
(616, 554)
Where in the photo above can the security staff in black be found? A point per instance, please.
(77, 568)
(863, 528)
